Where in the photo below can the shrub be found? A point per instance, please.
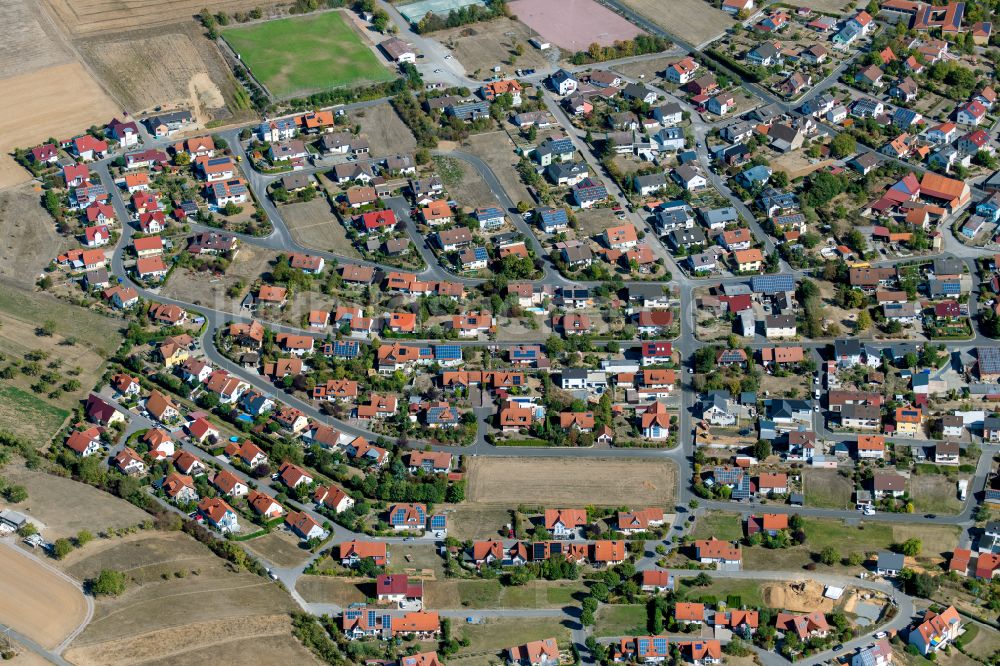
(108, 582)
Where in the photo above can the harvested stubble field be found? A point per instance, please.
(562, 482)
(299, 55)
(54, 501)
(58, 101)
(37, 602)
(87, 17)
(386, 132)
(156, 68)
(28, 42)
(314, 225)
(179, 598)
(694, 21)
(483, 46)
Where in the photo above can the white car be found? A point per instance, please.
(879, 635)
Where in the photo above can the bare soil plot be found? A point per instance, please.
(30, 238)
(279, 548)
(177, 588)
(335, 590)
(497, 150)
(797, 164)
(483, 46)
(386, 132)
(826, 488)
(150, 68)
(37, 602)
(800, 596)
(695, 21)
(261, 639)
(314, 225)
(86, 17)
(195, 287)
(573, 24)
(60, 101)
(56, 502)
(558, 482)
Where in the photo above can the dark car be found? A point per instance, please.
(838, 647)
(932, 516)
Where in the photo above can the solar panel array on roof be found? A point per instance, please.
(448, 353)
(345, 348)
(772, 284)
(481, 254)
(439, 522)
(742, 489)
(538, 551)
(989, 360)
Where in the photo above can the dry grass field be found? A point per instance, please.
(386, 132)
(314, 225)
(476, 522)
(149, 68)
(37, 602)
(54, 501)
(483, 46)
(695, 21)
(559, 482)
(496, 149)
(280, 548)
(261, 639)
(180, 598)
(471, 190)
(334, 590)
(826, 488)
(30, 238)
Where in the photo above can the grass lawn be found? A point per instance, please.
(725, 526)
(498, 634)
(621, 620)
(305, 54)
(25, 415)
(747, 590)
(490, 594)
(845, 539)
(827, 489)
(983, 644)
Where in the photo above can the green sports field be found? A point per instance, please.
(305, 54)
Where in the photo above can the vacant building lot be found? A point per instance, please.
(30, 238)
(207, 597)
(694, 21)
(54, 502)
(491, 594)
(335, 589)
(296, 56)
(496, 149)
(573, 24)
(797, 165)
(146, 69)
(497, 634)
(936, 492)
(37, 602)
(279, 548)
(559, 482)
(483, 46)
(468, 188)
(827, 489)
(200, 289)
(314, 225)
(386, 132)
